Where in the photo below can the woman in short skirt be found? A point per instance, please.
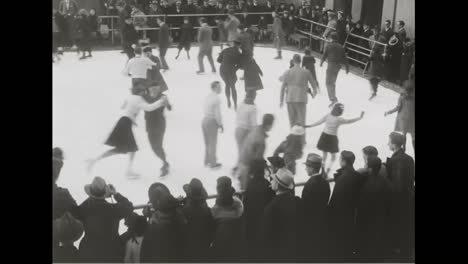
(328, 142)
(122, 139)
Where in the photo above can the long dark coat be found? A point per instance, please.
(101, 243)
(256, 197)
(377, 62)
(400, 171)
(62, 202)
(406, 61)
(315, 196)
(372, 218)
(154, 75)
(83, 33)
(230, 59)
(393, 62)
(252, 73)
(165, 237)
(186, 34)
(341, 214)
(281, 229)
(200, 228)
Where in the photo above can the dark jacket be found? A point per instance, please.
(62, 202)
(377, 67)
(93, 23)
(406, 60)
(200, 228)
(164, 239)
(66, 254)
(186, 33)
(372, 218)
(342, 212)
(229, 237)
(101, 219)
(164, 37)
(252, 73)
(205, 38)
(230, 59)
(129, 35)
(281, 228)
(154, 75)
(400, 171)
(341, 30)
(308, 62)
(256, 197)
(336, 55)
(387, 33)
(247, 43)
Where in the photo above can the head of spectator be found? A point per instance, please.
(274, 14)
(231, 13)
(257, 169)
(307, 51)
(313, 164)
(401, 24)
(374, 164)
(396, 141)
(369, 151)
(255, 2)
(205, 3)
(347, 159)
(160, 21)
(212, 3)
(164, 3)
(202, 20)
(155, 192)
(92, 12)
(337, 109)
(189, 2)
(331, 15)
(267, 122)
(186, 20)
(138, 50)
(216, 87)
(129, 20)
(282, 6)
(296, 60)
(178, 3)
(366, 26)
(358, 25)
(282, 181)
(57, 163)
(225, 191)
(195, 192)
(292, 9)
(98, 189)
(388, 24)
(120, 6)
(276, 163)
(285, 14)
(67, 229)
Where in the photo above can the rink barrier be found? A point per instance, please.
(214, 196)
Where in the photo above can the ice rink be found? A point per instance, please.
(87, 96)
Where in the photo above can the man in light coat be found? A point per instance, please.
(206, 45)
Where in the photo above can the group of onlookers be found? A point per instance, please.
(368, 216)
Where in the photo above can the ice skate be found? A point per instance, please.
(372, 96)
(164, 170)
(214, 166)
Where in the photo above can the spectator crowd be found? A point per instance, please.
(82, 28)
(367, 217)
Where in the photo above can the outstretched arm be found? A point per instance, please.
(153, 106)
(350, 121)
(397, 108)
(283, 91)
(319, 122)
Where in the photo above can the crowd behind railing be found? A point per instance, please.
(360, 38)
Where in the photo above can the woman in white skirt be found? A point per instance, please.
(328, 142)
(122, 139)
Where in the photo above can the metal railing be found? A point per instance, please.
(213, 196)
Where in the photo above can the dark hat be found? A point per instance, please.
(195, 190)
(98, 189)
(224, 186)
(67, 228)
(334, 36)
(313, 159)
(168, 203)
(397, 138)
(156, 191)
(147, 49)
(276, 161)
(257, 167)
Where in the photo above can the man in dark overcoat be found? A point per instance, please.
(164, 42)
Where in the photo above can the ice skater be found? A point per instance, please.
(212, 122)
(328, 142)
(137, 68)
(252, 73)
(377, 66)
(335, 55)
(154, 76)
(163, 43)
(278, 34)
(185, 38)
(84, 31)
(205, 42)
(122, 139)
(129, 37)
(292, 148)
(230, 59)
(246, 121)
(156, 125)
(405, 118)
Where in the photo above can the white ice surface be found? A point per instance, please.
(87, 96)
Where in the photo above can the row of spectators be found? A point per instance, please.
(367, 217)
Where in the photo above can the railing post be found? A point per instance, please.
(112, 28)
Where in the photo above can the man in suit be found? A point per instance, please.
(163, 42)
(278, 33)
(400, 171)
(295, 85)
(68, 9)
(206, 45)
(387, 31)
(335, 56)
(401, 33)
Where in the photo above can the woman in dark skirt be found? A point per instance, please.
(328, 142)
(122, 139)
(252, 73)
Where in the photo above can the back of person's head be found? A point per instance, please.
(370, 151)
(156, 191)
(231, 12)
(138, 50)
(202, 20)
(296, 59)
(225, 191)
(374, 164)
(214, 85)
(397, 139)
(307, 52)
(401, 23)
(267, 121)
(338, 109)
(334, 36)
(257, 168)
(348, 158)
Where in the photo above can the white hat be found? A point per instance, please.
(284, 178)
(297, 130)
